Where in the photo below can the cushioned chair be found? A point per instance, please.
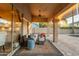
(41, 40)
(3, 39)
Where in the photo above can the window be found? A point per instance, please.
(69, 20)
(76, 18)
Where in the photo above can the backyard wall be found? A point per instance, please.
(42, 30)
(50, 31)
(68, 31)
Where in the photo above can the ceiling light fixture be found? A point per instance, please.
(39, 13)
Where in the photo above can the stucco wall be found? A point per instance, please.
(42, 30)
(68, 31)
(50, 31)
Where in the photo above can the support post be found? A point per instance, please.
(22, 25)
(21, 34)
(27, 28)
(12, 28)
(72, 22)
(55, 30)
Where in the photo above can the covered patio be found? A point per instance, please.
(59, 22)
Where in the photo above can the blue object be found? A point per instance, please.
(30, 44)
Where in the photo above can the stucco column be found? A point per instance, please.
(30, 27)
(22, 25)
(55, 30)
(27, 28)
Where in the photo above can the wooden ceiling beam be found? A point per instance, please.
(39, 19)
(66, 8)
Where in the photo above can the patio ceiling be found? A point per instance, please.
(32, 12)
(40, 10)
(6, 12)
(46, 10)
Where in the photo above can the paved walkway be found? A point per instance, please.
(68, 45)
(40, 50)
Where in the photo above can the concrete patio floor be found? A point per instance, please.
(68, 45)
(40, 50)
